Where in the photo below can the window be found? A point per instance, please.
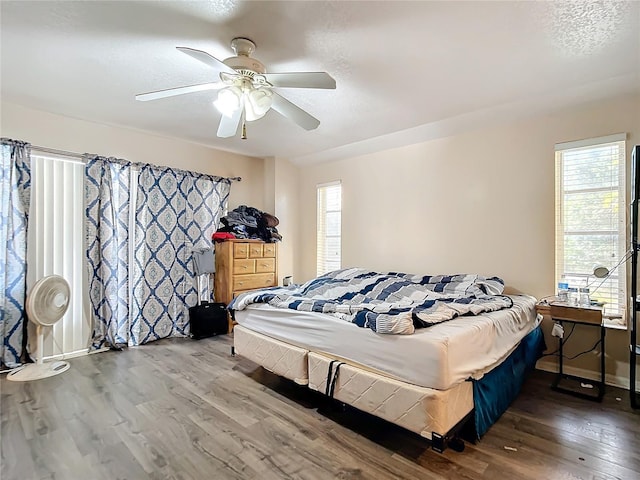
(590, 218)
(55, 245)
(329, 227)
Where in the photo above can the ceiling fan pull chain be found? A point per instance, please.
(244, 125)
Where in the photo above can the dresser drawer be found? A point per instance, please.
(257, 280)
(255, 250)
(265, 265)
(269, 250)
(241, 250)
(245, 265)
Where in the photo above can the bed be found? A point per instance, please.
(427, 380)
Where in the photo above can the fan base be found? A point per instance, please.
(34, 371)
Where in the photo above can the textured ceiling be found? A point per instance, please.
(405, 71)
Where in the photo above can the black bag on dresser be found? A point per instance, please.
(207, 318)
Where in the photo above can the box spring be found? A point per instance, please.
(418, 409)
(278, 357)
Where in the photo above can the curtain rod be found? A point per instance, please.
(80, 156)
(57, 152)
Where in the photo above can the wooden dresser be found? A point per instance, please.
(243, 265)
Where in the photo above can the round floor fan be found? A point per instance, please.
(46, 304)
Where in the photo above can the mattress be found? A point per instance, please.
(438, 357)
(421, 410)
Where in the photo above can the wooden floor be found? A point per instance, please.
(183, 409)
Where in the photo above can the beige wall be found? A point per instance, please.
(280, 197)
(286, 180)
(479, 202)
(64, 133)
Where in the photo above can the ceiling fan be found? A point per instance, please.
(246, 89)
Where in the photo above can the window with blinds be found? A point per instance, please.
(590, 218)
(329, 223)
(55, 246)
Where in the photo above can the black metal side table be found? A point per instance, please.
(588, 316)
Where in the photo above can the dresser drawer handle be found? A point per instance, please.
(240, 283)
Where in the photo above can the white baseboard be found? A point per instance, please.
(99, 350)
(77, 353)
(613, 380)
(64, 356)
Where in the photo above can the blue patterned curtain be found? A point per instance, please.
(107, 200)
(142, 284)
(177, 211)
(15, 180)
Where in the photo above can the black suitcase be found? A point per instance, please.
(208, 319)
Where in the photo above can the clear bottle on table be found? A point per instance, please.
(563, 292)
(573, 297)
(585, 299)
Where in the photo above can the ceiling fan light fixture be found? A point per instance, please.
(257, 103)
(229, 100)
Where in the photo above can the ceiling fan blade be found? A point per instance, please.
(301, 80)
(229, 125)
(172, 92)
(208, 59)
(287, 109)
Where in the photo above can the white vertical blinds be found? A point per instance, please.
(329, 225)
(590, 219)
(56, 246)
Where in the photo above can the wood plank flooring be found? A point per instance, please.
(182, 409)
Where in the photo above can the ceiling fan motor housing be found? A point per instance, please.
(245, 65)
(242, 62)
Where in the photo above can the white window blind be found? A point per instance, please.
(55, 246)
(590, 218)
(329, 227)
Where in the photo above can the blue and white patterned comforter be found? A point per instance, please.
(395, 303)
